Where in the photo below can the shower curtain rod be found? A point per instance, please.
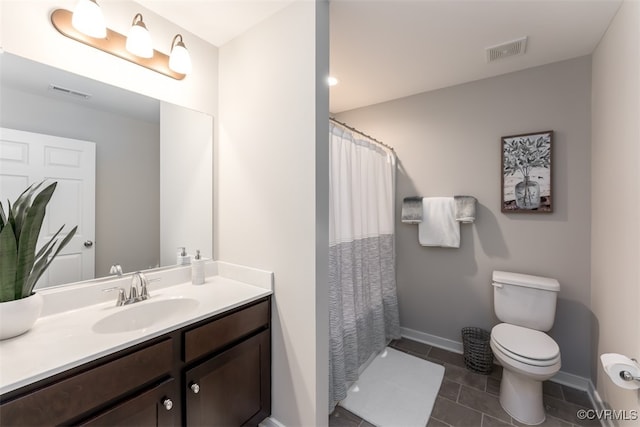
(362, 133)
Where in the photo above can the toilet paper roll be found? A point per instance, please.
(614, 364)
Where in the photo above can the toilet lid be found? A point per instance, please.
(525, 342)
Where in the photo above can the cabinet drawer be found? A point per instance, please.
(213, 336)
(72, 397)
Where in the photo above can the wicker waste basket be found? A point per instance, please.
(478, 356)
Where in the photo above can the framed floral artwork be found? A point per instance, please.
(527, 186)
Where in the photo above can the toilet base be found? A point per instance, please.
(521, 397)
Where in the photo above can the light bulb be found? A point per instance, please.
(179, 61)
(138, 39)
(88, 19)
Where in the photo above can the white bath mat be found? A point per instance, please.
(396, 390)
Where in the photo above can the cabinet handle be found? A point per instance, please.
(195, 388)
(167, 403)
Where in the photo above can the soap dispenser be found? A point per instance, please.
(183, 258)
(197, 269)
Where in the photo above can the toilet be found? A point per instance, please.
(527, 307)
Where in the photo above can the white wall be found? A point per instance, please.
(448, 143)
(26, 30)
(186, 182)
(266, 214)
(615, 230)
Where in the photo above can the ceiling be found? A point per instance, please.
(382, 50)
(388, 49)
(216, 21)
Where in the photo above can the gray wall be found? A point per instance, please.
(127, 172)
(448, 143)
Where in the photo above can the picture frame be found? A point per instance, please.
(527, 171)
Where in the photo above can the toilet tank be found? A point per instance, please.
(524, 300)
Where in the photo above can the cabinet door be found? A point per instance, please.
(156, 407)
(233, 388)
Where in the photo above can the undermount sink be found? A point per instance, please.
(143, 315)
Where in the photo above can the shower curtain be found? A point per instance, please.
(363, 306)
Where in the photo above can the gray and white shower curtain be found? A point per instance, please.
(363, 306)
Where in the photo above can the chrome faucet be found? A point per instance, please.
(138, 290)
(116, 269)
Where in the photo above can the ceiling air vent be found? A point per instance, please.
(70, 92)
(512, 48)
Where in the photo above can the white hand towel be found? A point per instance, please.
(439, 226)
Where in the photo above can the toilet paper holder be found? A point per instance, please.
(626, 375)
(623, 371)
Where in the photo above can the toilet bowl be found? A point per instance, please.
(526, 306)
(528, 358)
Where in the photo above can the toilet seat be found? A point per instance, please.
(525, 345)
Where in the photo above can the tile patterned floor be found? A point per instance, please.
(467, 399)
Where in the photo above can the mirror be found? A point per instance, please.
(129, 145)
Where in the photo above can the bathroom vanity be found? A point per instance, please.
(210, 366)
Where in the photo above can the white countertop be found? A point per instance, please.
(63, 340)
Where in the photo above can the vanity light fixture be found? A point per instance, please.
(126, 47)
(179, 59)
(139, 40)
(88, 19)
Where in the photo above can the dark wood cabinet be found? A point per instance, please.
(232, 388)
(226, 359)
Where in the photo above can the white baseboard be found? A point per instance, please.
(271, 422)
(573, 381)
(443, 343)
(564, 378)
(598, 405)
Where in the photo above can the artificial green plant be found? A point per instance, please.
(20, 264)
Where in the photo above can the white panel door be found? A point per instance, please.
(27, 157)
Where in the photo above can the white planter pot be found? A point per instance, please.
(17, 317)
